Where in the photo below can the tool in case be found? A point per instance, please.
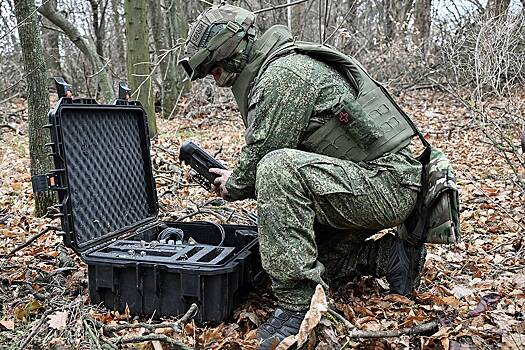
(109, 214)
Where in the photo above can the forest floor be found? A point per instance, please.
(476, 289)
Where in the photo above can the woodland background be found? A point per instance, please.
(457, 67)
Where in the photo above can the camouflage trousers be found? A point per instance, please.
(314, 214)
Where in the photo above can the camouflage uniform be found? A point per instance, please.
(297, 190)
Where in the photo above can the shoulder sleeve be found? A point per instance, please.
(279, 110)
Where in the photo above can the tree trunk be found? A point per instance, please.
(177, 28)
(168, 79)
(118, 31)
(97, 27)
(497, 8)
(395, 16)
(52, 53)
(37, 96)
(85, 45)
(422, 22)
(298, 20)
(138, 62)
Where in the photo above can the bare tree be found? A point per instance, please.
(118, 52)
(422, 21)
(37, 95)
(99, 23)
(138, 62)
(395, 15)
(85, 45)
(165, 55)
(497, 8)
(51, 37)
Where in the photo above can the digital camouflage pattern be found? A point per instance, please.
(442, 200)
(297, 190)
(435, 218)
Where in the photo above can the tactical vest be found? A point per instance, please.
(363, 128)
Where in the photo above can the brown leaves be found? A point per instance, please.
(456, 279)
(23, 311)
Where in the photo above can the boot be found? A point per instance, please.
(281, 324)
(405, 264)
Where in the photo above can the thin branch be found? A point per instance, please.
(10, 127)
(100, 70)
(23, 21)
(340, 24)
(152, 337)
(35, 330)
(418, 329)
(192, 311)
(32, 239)
(279, 6)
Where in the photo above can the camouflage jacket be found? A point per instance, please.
(289, 100)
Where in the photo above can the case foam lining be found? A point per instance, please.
(106, 170)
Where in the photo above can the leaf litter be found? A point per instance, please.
(476, 289)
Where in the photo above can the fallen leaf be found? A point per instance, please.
(250, 316)
(157, 345)
(461, 292)
(397, 298)
(9, 325)
(318, 305)
(58, 320)
(21, 312)
(484, 304)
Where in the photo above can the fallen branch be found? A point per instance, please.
(192, 311)
(340, 318)
(32, 239)
(10, 127)
(418, 329)
(35, 330)
(152, 337)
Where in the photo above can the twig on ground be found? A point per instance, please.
(35, 330)
(340, 318)
(10, 127)
(190, 314)
(509, 214)
(152, 337)
(192, 311)
(92, 335)
(32, 239)
(9, 98)
(358, 333)
(418, 329)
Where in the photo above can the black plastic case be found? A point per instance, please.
(108, 205)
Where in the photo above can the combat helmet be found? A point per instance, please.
(222, 35)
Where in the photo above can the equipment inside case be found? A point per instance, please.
(108, 208)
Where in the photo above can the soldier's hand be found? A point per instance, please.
(219, 184)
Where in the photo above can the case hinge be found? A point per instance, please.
(43, 183)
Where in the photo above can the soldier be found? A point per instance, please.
(326, 157)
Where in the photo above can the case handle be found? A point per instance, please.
(63, 89)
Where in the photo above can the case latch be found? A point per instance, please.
(43, 183)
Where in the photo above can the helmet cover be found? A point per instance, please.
(216, 36)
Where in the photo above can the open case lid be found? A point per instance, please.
(103, 171)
